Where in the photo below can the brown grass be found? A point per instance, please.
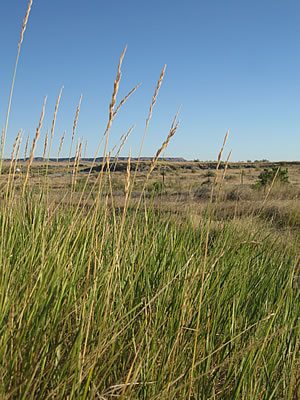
(60, 146)
(127, 179)
(75, 123)
(45, 144)
(172, 132)
(37, 135)
(154, 98)
(26, 147)
(55, 113)
(25, 20)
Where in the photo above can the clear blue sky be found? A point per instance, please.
(232, 64)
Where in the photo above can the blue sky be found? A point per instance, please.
(230, 64)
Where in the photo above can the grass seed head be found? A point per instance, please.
(127, 179)
(76, 118)
(25, 20)
(46, 143)
(26, 147)
(172, 132)
(55, 112)
(61, 143)
(15, 144)
(154, 98)
(37, 135)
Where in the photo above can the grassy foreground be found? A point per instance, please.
(105, 304)
(102, 301)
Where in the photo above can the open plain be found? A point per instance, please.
(179, 284)
(151, 278)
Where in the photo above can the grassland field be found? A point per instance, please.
(179, 284)
(146, 279)
(177, 187)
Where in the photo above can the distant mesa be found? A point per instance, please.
(100, 159)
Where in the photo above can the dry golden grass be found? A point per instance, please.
(154, 98)
(75, 124)
(37, 135)
(55, 113)
(26, 147)
(4, 131)
(2, 138)
(165, 143)
(112, 112)
(46, 143)
(186, 191)
(25, 20)
(113, 280)
(127, 179)
(125, 98)
(60, 146)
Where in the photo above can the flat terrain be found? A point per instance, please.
(182, 284)
(176, 187)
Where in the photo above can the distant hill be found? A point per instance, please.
(100, 159)
(180, 161)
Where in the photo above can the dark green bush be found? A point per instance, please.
(268, 175)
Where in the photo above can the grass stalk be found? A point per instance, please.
(24, 25)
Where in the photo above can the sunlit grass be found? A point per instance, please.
(78, 320)
(103, 299)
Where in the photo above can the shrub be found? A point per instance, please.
(230, 177)
(210, 174)
(156, 188)
(240, 192)
(268, 175)
(204, 191)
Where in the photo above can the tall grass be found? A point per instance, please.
(100, 302)
(79, 322)
(24, 25)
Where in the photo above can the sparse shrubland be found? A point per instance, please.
(117, 285)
